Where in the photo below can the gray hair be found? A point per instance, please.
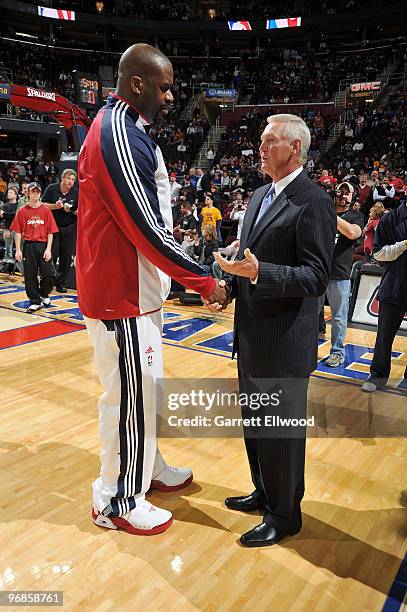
(294, 128)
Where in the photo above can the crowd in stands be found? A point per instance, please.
(208, 213)
(281, 75)
(291, 76)
(36, 66)
(163, 10)
(377, 134)
(379, 183)
(167, 10)
(246, 9)
(209, 204)
(218, 195)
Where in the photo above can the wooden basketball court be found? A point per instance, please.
(350, 554)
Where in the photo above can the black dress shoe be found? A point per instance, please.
(61, 289)
(245, 503)
(266, 534)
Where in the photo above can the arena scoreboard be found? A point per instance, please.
(88, 90)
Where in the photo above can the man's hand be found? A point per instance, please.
(59, 204)
(220, 298)
(248, 267)
(47, 255)
(19, 255)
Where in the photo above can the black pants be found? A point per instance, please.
(277, 462)
(63, 247)
(390, 319)
(322, 324)
(33, 253)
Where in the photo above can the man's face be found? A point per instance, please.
(362, 179)
(385, 182)
(156, 97)
(208, 201)
(374, 175)
(24, 189)
(34, 195)
(275, 151)
(67, 182)
(343, 198)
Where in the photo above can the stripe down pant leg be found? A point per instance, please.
(128, 359)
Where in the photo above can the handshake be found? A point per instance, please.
(247, 267)
(220, 298)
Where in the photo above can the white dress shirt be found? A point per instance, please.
(284, 182)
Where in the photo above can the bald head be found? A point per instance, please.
(145, 80)
(141, 60)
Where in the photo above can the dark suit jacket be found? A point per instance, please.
(276, 320)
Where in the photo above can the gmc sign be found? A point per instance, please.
(373, 86)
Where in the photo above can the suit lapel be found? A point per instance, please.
(277, 206)
(250, 235)
(251, 214)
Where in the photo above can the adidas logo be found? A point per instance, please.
(149, 351)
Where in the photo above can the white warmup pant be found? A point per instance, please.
(128, 359)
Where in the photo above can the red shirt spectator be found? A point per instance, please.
(398, 185)
(327, 179)
(34, 224)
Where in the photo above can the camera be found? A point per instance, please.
(67, 204)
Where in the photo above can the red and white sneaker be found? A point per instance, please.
(144, 519)
(171, 479)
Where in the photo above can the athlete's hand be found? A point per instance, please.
(220, 298)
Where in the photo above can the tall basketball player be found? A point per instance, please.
(125, 255)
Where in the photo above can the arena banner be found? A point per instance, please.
(52, 13)
(4, 91)
(366, 309)
(64, 112)
(239, 25)
(220, 93)
(288, 22)
(369, 86)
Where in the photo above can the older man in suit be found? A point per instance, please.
(283, 265)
